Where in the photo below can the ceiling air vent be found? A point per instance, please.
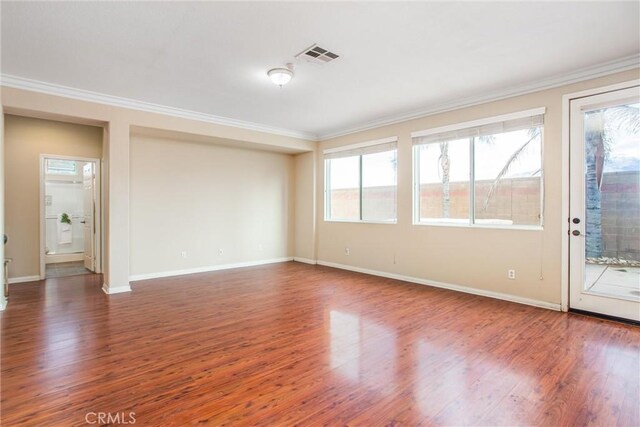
(317, 55)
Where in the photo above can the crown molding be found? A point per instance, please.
(117, 101)
(611, 67)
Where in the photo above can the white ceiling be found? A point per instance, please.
(212, 57)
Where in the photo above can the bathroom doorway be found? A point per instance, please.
(70, 219)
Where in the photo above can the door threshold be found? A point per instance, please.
(605, 317)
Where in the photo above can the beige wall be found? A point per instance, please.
(25, 140)
(305, 218)
(472, 257)
(200, 197)
(119, 121)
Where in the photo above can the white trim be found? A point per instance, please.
(305, 260)
(117, 101)
(600, 70)
(604, 69)
(459, 288)
(363, 221)
(361, 145)
(564, 205)
(480, 122)
(481, 226)
(24, 279)
(3, 303)
(98, 217)
(42, 219)
(57, 258)
(115, 290)
(566, 102)
(611, 67)
(172, 273)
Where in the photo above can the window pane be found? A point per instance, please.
(508, 178)
(444, 182)
(61, 167)
(379, 186)
(344, 188)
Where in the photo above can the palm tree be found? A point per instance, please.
(445, 166)
(600, 127)
(533, 134)
(445, 169)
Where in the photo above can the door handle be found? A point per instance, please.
(576, 220)
(576, 232)
(83, 222)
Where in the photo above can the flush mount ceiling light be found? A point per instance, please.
(281, 76)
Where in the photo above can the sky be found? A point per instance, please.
(624, 152)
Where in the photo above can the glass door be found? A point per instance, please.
(604, 223)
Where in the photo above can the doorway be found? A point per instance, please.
(69, 216)
(604, 207)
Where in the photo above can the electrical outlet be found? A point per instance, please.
(184, 254)
(347, 251)
(511, 274)
(220, 252)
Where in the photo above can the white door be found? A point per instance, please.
(604, 222)
(88, 178)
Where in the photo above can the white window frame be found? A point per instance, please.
(464, 125)
(327, 178)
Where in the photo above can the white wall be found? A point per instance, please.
(199, 198)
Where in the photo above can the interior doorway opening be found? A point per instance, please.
(70, 238)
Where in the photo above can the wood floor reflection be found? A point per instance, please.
(290, 343)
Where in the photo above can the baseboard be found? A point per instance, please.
(161, 274)
(54, 259)
(305, 260)
(3, 304)
(23, 279)
(450, 286)
(115, 290)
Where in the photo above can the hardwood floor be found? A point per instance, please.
(290, 343)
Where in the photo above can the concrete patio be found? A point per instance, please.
(612, 280)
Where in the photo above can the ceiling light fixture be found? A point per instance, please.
(281, 76)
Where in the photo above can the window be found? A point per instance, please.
(486, 172)
(61, 167)
(444, 181)
(360, 182)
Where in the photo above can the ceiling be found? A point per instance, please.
(396, 58)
